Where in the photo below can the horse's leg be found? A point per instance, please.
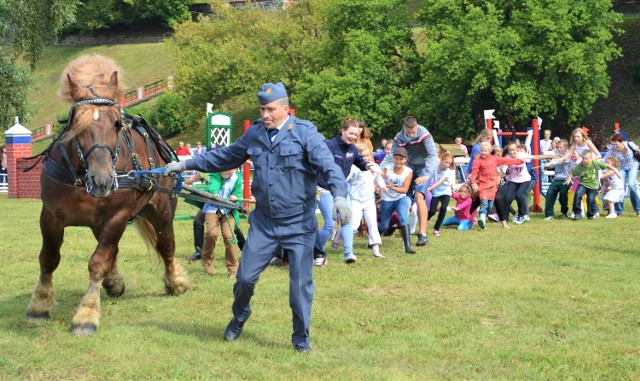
(176, 281)
(159, 227)
(87, 318)
(43, 297)
(113, 282)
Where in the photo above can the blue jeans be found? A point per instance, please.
(387, 208)
(630, 179)
(485, 206)
(592, 207)
(326, 208)
(462, 224)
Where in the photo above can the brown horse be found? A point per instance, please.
(87, 181)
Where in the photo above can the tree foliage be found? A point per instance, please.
(95, 16)
(230, 54)
(170, 115)
(366, 50)
(337, 58)
(525, 58)
(28, 25)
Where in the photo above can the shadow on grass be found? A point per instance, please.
(212, 332)
(631, 250)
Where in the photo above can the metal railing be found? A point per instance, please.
(146, 92)
(42, 133)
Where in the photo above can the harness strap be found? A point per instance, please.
(58, 172)
(77, 180)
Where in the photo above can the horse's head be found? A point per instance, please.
(94, 121)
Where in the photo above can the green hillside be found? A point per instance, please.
(141, 64)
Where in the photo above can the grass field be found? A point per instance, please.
(545, 300)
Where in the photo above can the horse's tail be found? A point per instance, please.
(147, 232)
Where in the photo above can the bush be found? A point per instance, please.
(171, 115)
(635, 71)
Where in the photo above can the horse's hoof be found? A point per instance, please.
(35, 317)
(83, 329)
(115, 292)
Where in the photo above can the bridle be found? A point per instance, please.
(115, 152)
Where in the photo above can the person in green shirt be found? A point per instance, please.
(222, 221)
(588, 170)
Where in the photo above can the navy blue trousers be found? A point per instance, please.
(296, 236)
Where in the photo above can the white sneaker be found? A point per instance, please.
(482, 218)
(494, 217)
(548, 218)
(526, 217)
(320, 262)
(350, 258)
(611, 215)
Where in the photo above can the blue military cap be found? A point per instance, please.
(270, 92)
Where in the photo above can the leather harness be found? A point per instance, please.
(154, 143)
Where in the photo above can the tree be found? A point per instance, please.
(95, 16)
(227, 56)
(28, 25)
(525, 58)
(367, 52)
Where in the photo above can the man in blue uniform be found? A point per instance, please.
(287, 154)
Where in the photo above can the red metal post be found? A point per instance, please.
(536, 164)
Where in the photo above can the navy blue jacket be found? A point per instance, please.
(285, 170)
(344, 155)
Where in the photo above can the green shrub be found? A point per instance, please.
(171, 115)
(635, 71)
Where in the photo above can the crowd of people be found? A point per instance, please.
(296, 170)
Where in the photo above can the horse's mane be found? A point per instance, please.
(89, 76)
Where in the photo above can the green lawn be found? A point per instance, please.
(545, 300)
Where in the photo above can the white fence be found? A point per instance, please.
(4, 185)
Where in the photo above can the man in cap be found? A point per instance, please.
(423, 160)
(287, 154)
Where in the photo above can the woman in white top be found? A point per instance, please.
(579, 143)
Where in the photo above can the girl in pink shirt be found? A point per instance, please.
(462, 216)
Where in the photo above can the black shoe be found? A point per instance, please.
(422, 240)
(276, 261)
(194, 257)
(300, 349)
(234, 329)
